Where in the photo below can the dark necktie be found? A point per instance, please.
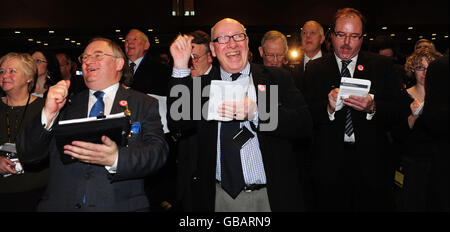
(99, 107)
(132, 66)
(348, 114)
(232, 177)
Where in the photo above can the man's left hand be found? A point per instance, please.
(102, 154)
(365, 104)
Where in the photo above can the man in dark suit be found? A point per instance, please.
(261, 172)
(351, 165)
(148, 76)
(107, 177)
(312, 39)
(151, 77)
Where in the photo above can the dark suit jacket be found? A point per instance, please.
(434, 121)
(151, 77)
(123, 191)
(280, 163)
(322, 75)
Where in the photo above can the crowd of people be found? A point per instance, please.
(289, 142)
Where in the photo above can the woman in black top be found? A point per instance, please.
(19, 191)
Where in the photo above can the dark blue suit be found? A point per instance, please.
(123, 191)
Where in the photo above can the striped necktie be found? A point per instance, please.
(348, 114)
(132, 66)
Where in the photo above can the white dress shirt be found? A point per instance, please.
(137, 62)
(307, 59)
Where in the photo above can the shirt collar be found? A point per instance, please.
(226, 76)
(137, 61)
(307, 59)
(351, 66)
(109, 91)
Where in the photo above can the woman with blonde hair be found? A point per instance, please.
(19, 190)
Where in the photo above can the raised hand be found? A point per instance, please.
(180, 50)
(56, 99)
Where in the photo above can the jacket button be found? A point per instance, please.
(78, 205)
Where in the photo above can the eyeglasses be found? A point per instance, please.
(273, 56)
(39, 61)
(10, 71)
(97, 56)
(342, 35)
(196, 58)
(223, 39)
(420, 68)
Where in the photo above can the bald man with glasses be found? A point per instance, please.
(243, 165)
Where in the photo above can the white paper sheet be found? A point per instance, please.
(221, 91)
(162, 100)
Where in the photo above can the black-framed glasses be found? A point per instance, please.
(223, 39)
(39, 61)
(342, 35)
(97, 56)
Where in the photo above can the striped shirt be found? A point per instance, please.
(251, 158)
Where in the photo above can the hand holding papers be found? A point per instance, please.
(351, 86)
(416, 107)
(226, 91)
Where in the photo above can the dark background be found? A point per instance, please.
(81, 20)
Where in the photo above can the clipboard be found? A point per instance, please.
(116, 127)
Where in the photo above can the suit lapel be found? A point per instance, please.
(360, 68)
(121, 94)
(138, 69)
(261, 80)
(336, 81)
(78, 107)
